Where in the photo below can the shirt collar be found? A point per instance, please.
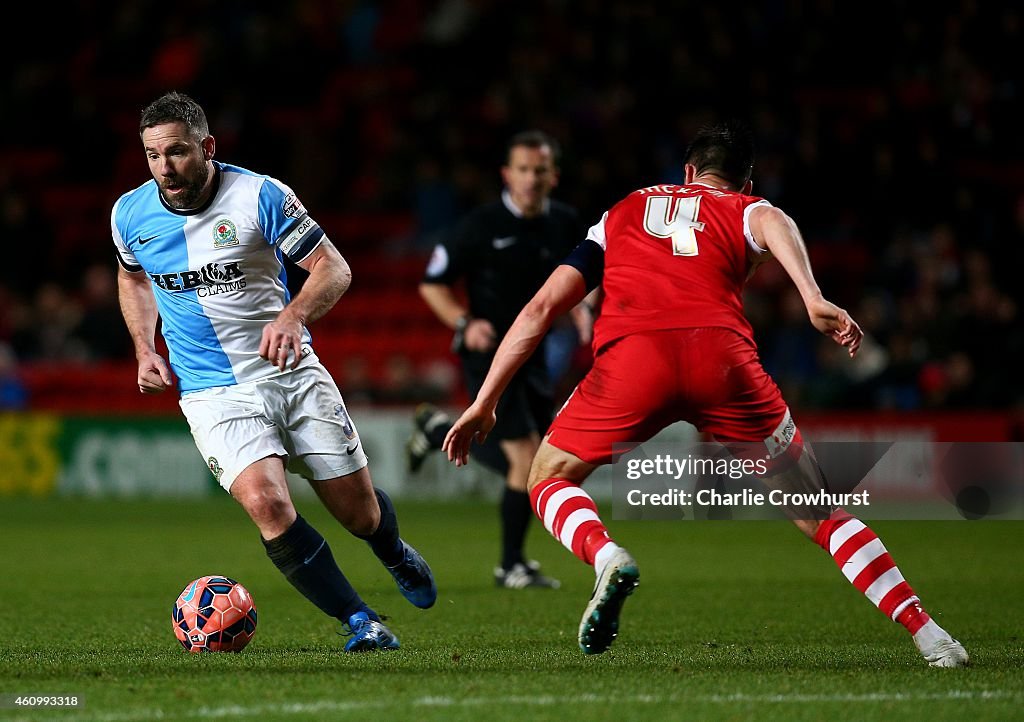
(506, 198)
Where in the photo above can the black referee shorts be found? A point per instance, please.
(527, 406)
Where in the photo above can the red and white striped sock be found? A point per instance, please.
(570, 515)
(864, 560)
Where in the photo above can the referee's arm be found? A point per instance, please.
(443, 302)
(477, 334)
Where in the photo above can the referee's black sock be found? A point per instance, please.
(515, 518)
(385, 541)
(305, 559)
(436, 432)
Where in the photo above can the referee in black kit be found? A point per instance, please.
(503, 252)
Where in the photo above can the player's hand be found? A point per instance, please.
(474, 425)
(479, 335)
(154, 374)
(836, 323)
(282, 337)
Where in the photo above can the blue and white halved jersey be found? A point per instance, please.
(217, 271)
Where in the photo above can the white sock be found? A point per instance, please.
(929, 634)
(603, 555)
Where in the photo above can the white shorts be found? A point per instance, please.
(298, 415)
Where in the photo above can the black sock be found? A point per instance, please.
(385, 542)
(435, 434)
(305, 559)
(515, 518)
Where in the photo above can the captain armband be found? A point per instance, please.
(588, 259)
(301, 240)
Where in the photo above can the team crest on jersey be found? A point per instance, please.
(341, 412)
(293, 207)
(224, 233)
(215, 467)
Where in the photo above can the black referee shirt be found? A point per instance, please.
(503, 258)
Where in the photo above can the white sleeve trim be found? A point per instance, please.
(596, 232)
(124, 255)
(746, 227)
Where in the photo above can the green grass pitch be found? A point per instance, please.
(732, 621)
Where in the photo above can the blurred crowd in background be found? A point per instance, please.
(892, 139)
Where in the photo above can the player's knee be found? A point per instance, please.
(272, 513)
(552, 462)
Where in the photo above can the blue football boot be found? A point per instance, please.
(369, 634)
(414, 578)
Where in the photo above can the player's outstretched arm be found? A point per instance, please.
(329, 278)
(138, 306)
(775, 231)
(564, 289)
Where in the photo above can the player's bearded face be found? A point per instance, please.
(183, 189)
(178, 163)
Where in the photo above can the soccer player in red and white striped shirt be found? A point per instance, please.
(671, 343)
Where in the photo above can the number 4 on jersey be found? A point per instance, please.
(675, 218)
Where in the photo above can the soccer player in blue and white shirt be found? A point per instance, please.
(201, 246)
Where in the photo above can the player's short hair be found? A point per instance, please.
(726, 149)
(534, 139)
(175, 107)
